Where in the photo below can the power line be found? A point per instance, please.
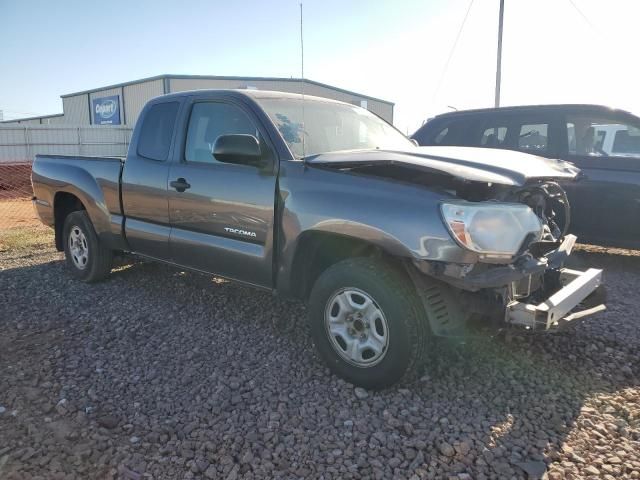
(496, 103)
(581, 13)
(453, 48)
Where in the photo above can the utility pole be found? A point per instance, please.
(499, 66)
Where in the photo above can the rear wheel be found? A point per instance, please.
(367, 322)
(87, 258)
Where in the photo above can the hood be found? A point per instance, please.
(506, 167)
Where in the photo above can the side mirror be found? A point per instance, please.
(238, 148)
(415, 142)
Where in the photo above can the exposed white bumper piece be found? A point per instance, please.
(554, 311)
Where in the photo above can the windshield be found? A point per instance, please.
(330, 127)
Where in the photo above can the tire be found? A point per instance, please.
(388, 337)
(87, 258)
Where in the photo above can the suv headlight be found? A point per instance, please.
(494, 230)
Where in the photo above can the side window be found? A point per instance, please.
(593, 136)
(533, 137)
(432, 133)
(157, 130)
(208, 121)
(493, 137)
(440, 136)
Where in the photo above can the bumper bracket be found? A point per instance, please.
(555, 310)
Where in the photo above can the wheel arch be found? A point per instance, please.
(64, 203)
(393, 293)
(316, 251)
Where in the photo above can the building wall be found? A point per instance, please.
(382, 109)
(136, 95)
(132, 97)
(22, 123)
(107, 93)
(57, 120)
(21, 143)
(76, 109)
(47, 120)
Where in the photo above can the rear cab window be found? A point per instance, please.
(157, 131)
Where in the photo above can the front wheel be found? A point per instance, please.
(367, 323)
(87, 258)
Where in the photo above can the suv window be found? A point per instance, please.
(533, 137)
(157, 130)
(450, 131)
(593, 136)
(493, 137)
(208, 121)
(440, 136)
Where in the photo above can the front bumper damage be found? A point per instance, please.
(528, 266)
(535, 293)
(554, 312)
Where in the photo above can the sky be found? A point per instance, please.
(554, 51)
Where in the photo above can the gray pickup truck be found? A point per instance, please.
(390, 244)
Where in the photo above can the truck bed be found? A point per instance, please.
(94, 180)
(81, 157)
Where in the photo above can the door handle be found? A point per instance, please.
(180, 184)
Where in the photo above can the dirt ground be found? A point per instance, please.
(17, 213)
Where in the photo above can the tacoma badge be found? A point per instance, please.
(240, 232)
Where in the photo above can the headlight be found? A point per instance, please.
(495, 230)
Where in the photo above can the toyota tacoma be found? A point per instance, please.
(390, 244)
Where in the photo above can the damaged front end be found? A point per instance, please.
(506, 260)
(520, 278)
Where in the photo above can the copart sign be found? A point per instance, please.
(106, 110)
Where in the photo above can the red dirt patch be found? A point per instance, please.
(17, 213)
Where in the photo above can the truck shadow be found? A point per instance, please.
(519, 402)
(533, 396)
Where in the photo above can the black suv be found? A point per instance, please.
(604, 143)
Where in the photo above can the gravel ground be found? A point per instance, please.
(158, 373)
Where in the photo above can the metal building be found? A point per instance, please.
(121, 104)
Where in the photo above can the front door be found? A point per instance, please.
(222, 214)
(605, 204)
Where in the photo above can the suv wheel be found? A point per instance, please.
(87, 258)
(366, 322)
